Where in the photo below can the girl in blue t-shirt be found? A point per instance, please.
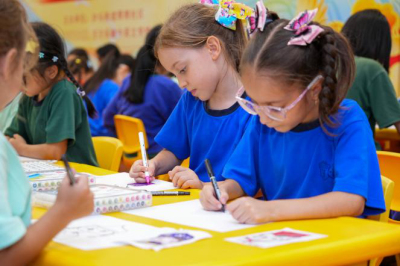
(20, 241)
(309, 151)
(203, 52)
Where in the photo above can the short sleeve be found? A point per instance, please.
(64, 116)
(242, 165)
(384, 104)
(12, 227)
(174, 135)
(356, 166)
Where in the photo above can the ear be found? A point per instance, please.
(51, 72)
(213, 45)
(316, 89)
(7, 66)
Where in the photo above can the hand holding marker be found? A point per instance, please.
(144, 157)
(214, 182)
(68, 169)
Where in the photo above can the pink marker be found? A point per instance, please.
(144, 157)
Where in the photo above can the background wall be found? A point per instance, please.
(92, 23)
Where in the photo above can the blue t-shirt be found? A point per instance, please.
(15, 196)
(306, 162)
(101, 98)
(161, 95)
(197, 132)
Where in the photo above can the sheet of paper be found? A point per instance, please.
(168, 238)
(124, 180)
(98, 231)
(275, 238)
(191, 213)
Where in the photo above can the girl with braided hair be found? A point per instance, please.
(51, 118)
(310, 151)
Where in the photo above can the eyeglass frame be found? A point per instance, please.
(267, 108)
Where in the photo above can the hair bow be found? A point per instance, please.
(304, 33)
(259, 19)
(229, 12)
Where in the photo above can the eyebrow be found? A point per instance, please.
(173, 66)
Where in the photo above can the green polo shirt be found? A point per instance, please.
(60, 116)
(374, 92)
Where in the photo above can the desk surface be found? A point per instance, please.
(349, 240)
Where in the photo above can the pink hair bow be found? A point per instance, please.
(258, 19)
(304, 33)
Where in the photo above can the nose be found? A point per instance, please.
(182, 83)
(264, 119)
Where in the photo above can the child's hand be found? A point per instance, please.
(183, 177)
(209, 200)
(248, 210)
(18, 143)
(137, 171)
(76, 201)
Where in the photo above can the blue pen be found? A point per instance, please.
(214, 182)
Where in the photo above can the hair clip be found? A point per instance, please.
(304, 33)
(78, 61)
(31, 46)
(80, 92)
(41, 55)
(54, 59)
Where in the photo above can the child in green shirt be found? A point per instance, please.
(51, 118)
(20, 242)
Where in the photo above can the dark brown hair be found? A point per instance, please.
(328, 55)
(192, 24)
(52, 45)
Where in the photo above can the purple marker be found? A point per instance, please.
(144, 157)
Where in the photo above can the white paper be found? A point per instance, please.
(191, 213)
(168, 238)
(98, 231)
(123, 180)
(275, 238)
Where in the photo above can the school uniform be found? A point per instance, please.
(193, 130)
(100, 99)
(60, 116)
(307, 162)
(15, 196)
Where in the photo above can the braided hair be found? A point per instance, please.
(328, 55)
(52, 52)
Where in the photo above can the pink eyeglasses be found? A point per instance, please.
(273, 112)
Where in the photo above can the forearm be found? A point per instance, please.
(232, 187)
(43, 151)
(333, 204)
(165, 161)
(35, 239)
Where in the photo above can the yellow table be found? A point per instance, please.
(349, 241)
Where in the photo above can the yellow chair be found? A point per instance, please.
(388, 189)
(128, 129)
(389, 163)
(108, 152)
